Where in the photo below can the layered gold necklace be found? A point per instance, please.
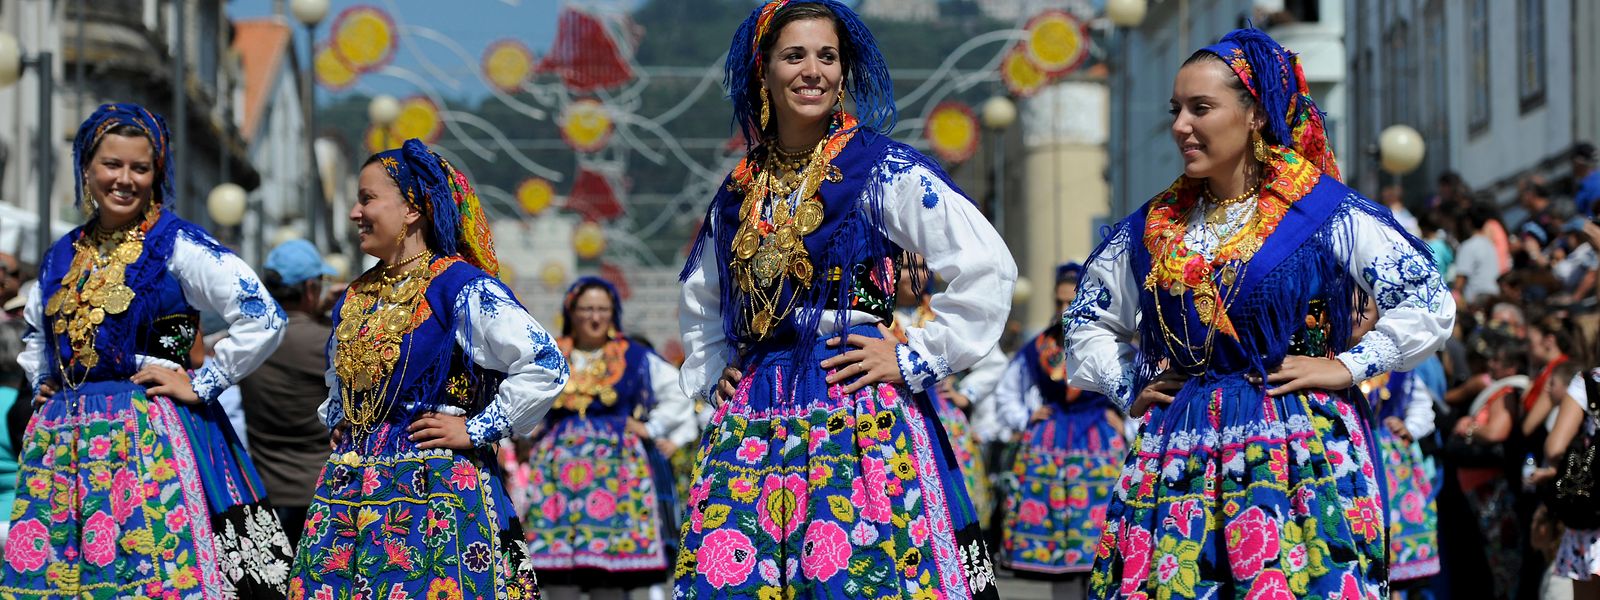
(377, 314)
(780, 208)
(596, 380)
(95, 286)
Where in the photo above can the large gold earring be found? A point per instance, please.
(400, 239)
(839, 106)
(1259, 146)
(766, 110)
(87, 206)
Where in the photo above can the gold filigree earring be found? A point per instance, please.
(1259, 146)
(766, 110)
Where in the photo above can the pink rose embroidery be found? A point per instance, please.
(1135, 547)
(1032, 512)
(125, 494)
(779, 508)
(577, 475)
(551, 508)
(826, 551)
(1271, 585)
(726, 558)
(99, 448)
(100, 539)
(869, 492)
(602, 504)
(28, 546)
(1252, 539)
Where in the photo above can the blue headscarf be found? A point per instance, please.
(1273, 76)
(569, 300)
(430, 184)
(866, 75)
(1068, 272)
(109, 116)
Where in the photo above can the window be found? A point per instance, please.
(1530, 54)
(1478, 65)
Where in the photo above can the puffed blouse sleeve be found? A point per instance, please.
(674, 411)
(216, 280)
(924, 215)
(1102, 323)
(32, 357)
(1416, 313)
(705, 345)
(499, 335)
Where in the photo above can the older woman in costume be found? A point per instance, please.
(594, 518)
(434, 361)
(1066, 464)
(1254, 469)
(821, 473)
(132, 481)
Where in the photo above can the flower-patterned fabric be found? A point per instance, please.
(1066, 468)
(827, 495)
(109, 502)
(1276, 498)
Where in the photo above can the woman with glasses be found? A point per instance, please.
(594, 518)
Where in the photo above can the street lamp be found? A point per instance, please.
(12, 62)
(383, 110)
(1126, 15)
(310, 13)
(1400, 149)
(998, 113)
(226, 204)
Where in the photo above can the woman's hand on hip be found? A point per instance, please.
(873, 361)
(1159, 392)
(172, 383)
(1301, 373)
(439, 430)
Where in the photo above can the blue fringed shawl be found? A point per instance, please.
(1299, 263)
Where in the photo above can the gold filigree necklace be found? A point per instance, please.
(95, 286)
(596, 379)
(377, 314)
(779, 209)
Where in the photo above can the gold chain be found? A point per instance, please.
(780, 208)
(95, 288)
(376, 316)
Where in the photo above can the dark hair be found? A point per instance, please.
(1538, 189)
(427, 218)
(572, 302)
(795, 12)
(1234, 83)
(1481, 213)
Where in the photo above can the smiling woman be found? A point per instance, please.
(1254, 470)
(127, 442)
(824, 473)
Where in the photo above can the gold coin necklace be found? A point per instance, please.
(378, 312)
(95, 287)
(780, 208)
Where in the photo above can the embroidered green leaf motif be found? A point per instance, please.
(842, 509)
(716, 515)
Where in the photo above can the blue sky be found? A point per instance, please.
(473, 24)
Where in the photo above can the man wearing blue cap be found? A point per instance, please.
(287, 440)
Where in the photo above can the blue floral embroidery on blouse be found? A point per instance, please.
(206, 243)
(546, 354)
(930, 198)
(489, 426)
(1092, 299)
(1401, 274)
(255, 305)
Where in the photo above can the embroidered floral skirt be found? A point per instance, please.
(1413, 513)
(109, 502)
(412, 524)
(1227, 493)
(593, 518)
(812, 493)
(969, 456)
(1065, 471)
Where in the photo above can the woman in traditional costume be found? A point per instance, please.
(594, 519)
(1067, 461)
(434, 361)
(1254, 468)
(132, 481)
(821, 474)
